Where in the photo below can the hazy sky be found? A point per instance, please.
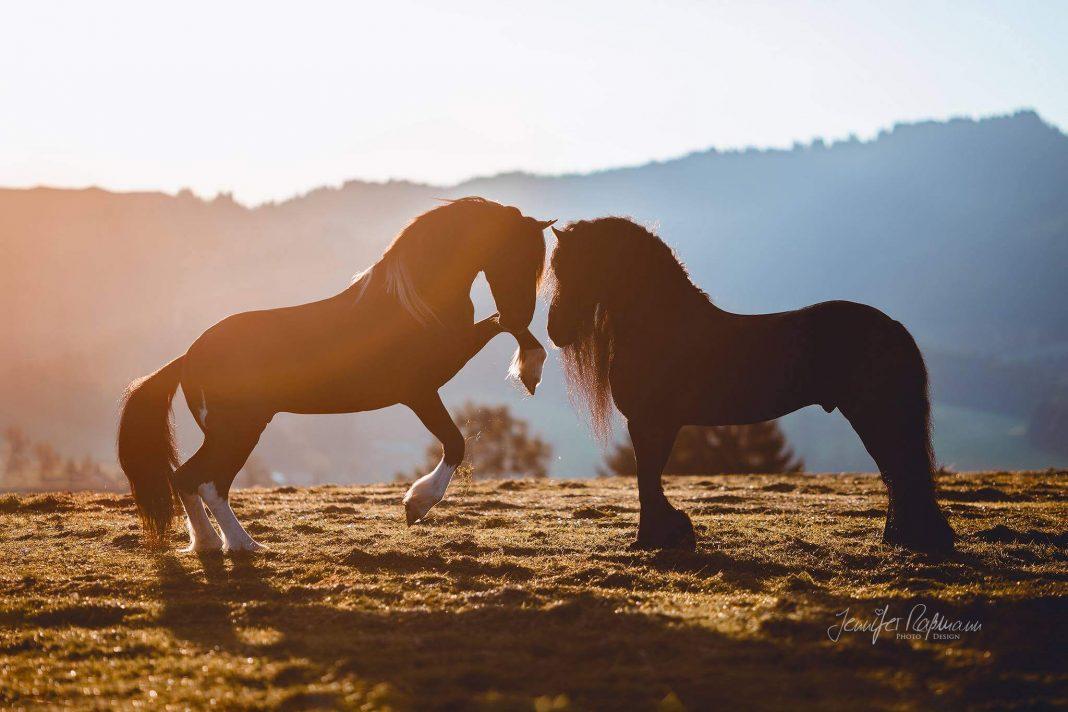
(270, 99)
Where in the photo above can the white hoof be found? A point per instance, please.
(202, 535)
(244, 547)
(427, 491)
(197, 547)
(527, 367)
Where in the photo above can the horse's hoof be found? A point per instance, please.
(426, 492)
(411, 513)
(246, 547)
(202, 549)
(527, 366)
(929, 534)
(681, 543)
(676, 532)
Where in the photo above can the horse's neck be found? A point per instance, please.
(430, 293)
(442, 282)
(663, 309)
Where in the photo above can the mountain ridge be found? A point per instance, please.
(959, 229)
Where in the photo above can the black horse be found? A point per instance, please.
(636, 330)
(396, 335)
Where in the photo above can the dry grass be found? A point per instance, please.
(523, 595)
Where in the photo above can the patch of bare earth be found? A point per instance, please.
(526, 596)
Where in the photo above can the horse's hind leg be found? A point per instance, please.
(202, 535)
(896, 437)
(207, 476)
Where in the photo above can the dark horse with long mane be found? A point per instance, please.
(636, 330)
(396, 335)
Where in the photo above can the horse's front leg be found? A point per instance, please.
(527, 361)
(660, 526)
(429, 489)
(529, 357)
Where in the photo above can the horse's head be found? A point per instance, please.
(589, 278)
(603, 271)
(590, 275)
(444, 249)
(514, 259)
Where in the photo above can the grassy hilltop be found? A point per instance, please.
(524, 595)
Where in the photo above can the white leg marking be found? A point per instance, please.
(235, 538)
(202, 535)
(427, 491)
(526, 366)
(203, 410)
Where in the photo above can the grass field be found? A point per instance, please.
(524, 595)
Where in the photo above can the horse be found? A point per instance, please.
(635, 330)
(400, 331)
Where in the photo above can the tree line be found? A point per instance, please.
(26, 464)
(500, 445)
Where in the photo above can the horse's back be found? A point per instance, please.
(338, 355)
(263, 359)
(761, 366)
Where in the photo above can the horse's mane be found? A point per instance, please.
(644, 278)
(392, 272)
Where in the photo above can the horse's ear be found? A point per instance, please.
(542, 224)
(560, 234)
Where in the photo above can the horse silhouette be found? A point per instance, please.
(635, 330)
(401, 330)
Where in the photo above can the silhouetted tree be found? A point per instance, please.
(727, 449)
(90, 474)
(39, 466)
(49, 466)
(16, 455)
(499, 445)
(71, 478)
(1048, 428)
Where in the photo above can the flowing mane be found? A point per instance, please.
(640, 273)
(393, 274)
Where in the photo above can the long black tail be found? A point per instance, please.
(147, 451)
(916, 393)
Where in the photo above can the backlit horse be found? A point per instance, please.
(396, 335)
(635, 330)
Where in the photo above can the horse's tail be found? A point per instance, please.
(147, 451)
(917, 394)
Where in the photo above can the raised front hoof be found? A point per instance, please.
(675, 531)
(930, 534)
(527, 367)
(530, 384)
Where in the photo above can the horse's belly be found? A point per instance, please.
(753, 395)
(749, 411)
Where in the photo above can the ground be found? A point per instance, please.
(523, 595)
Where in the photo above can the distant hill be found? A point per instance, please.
(958, 229)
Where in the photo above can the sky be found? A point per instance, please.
(267, 100)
